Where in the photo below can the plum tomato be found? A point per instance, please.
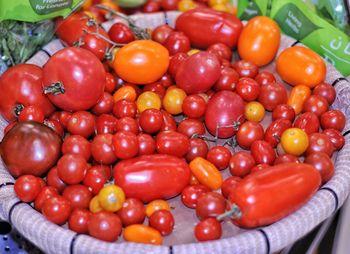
(121, 33)
(246, 69)
(177, 42)
(147, 145)
(286, 158)
(263, 152)
(271, 95)
(308, 122)
(335, 137)
(283, 111)
(161, 33)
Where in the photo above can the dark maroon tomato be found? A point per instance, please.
(76, 144)
(163, 221)
(53, 180)
(111, 83)
(241, 163)
(121, 33)
(221, 50)
(106, 123)
(172, 143)
(156, 87)
(147, 145)
(263, 152)
(27, 188)
(166, 80)
(210, 204)
(104, 105)
(71, 168)
(198, 148)
(325, 90)
(169, 123)
(316, 104)
(208, 230)
(246, 69)
(286, 158)
(169, 5)
(45, 193)
(81, 123)
(55, 125)
(220, 156)
(132, 212)
(190, 127)
(319, 142)
(95, 179)
(102, 149)
(56, 209)
(125, 145)
(265, 77)
(283, 111)
(259, 167)
(79, 220)
(229, 185)
(128, 124)
(31, 113)
(274, 132)
(248, 89)
(123, 108)
(335, 137)
(161, 33)
(177, 42)
(271, 95)
(322, 163)
(78, 195)
(151, 120)
(105, 226)
(228, 80)
(190, 194)
(194, 106)
(333, 119)
(151, 6)
(308, 122)
(175, 61)
(249, 132)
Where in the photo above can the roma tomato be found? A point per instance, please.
(294, 141)
(316, 104)
(111, 83)
(208, 230)
(263, 152)
(56, 209)
(27, 188)
(319, 142)
(283, 111)
(249, 132)
(333, 119)
(79, 220)
(198, 148)
(190, 127)
(246, 69)
(105, 226)
(194, 106)
(78, 195)
(156, 205)
(248, 89)
(219, 156)
(169, 123)
(125, 145)
(297, 97)
(177, 42)
(125, 92)
(132, 212)
(272, 95)
(206, 173)
(275, 130)
(153, 182)
(308, 122)
(228, 79)
(241, 164)
(322, 163)
(335, 137)
(222, 51)
(190, 194)
(128, 124)
(139, 233)
(172, 143)
(325, 90)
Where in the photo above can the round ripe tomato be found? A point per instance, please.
(31, 113)
(241, 163)
(125, 145)
(72, 84)
(316, 104)
(27, 188)
(190, 127)
(71, 168)
(308, 122)
(78, 195)
(219, 156)
(210, 204)
(322, 163)
(208, 230)
(163, 221)
(283, 111)
(156, 205)
(102, 149)
(169, 123)
(147, 145)
(333, 119)
(104, 105)
(121, 33)
(198, 148)
(299, 65)
(79, 220)
(161, 33)
(53, 180)
(132, 212)
(76, 144)
(249, 132)
(156, 87)
(169, 5)
(45, 193)
(111, 83)
(56, 126)
(294, 141)
(172, 143)
(229, 185)
(105, 226)
(248, 89)
(151, 6)
(275, 130)
(177, 42)
(175, 61)
(246, 69)
(173, 100)
(111, 198)
(94, 179)
(96, 44)
(124, 108)
(272, 95)
(228, 79)
(126, 92)
(254, 111)
(64, 117)
(221, 50)
(190, 194)
(141, 61)
(265, 77)
(259, 40)
(335, 137)
(81, 123)
(325, 90)
(56, 209)
(128, 124)
(263, 152)
(151, 120)
(319, 142)
(194, 106)
(106, 123)
(166, 80)
(148, 100)
(286, 158)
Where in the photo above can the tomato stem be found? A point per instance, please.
(54, 89)
(234, 213)
(18, 109)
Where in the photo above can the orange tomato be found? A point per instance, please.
(140, 233)
(173, 100)
(294, 141)
(259, 40)
(141, 62)
(301, 66)
(185, 5)
(216, 2)
(125, 92)
(298, 96)
(254, 111)
(94, 205)
(148, 100)
(156, 205)
(86, 5)
(206, 173)
(221, 7)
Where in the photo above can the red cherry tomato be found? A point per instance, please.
(308, 122)
(177, 42)
(194, 106)
(76, 144)
(333, 119)
(210, 204)
(208, 229)
(72, 168)
(249, 132)
(198, 148)
(104, 105)
(32, 113)
(259, 167)
(95, 179)
(228, 79)
(169, 5)
(221, 50)
(27, 188)
(106, 124)
(163, 221)
(123, 108)
(319, 142)
(172, 143)
(272, 94)
(128, 124)
(45, 193)
(263, 152)
(219, 156)
(229, 185)
(283, 111)
(241, 163)
(190, 194)
(121, 33)
(56, 209)
(79, 221)
(322, 163)
(316, 104)
(161, 33)
(78, 195)
(325, 90)
(55, 125)
(265, 77)
(81, 123)
(105, 226)
(286, 158)
(132, 212)
(175, 61)
(111, 83)
(190, 127)
(151, 120)
(248, 89)
(53, 180)
(246, 69)
(125, 145)
(335, 137)
(147, 145)
(151, 6)
(275, 130)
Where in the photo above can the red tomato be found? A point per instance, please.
(123, 108)
(79, 221)
(229, 185)
(56, 126)
(132, 212)
(175, 61)
(316, 104)
(275, 130)
(111, 83)
(208, 229)
(147, 145)
(249, 132)
(333, 119)
(308, 122)
(228, 80)
(125, 145)
(72, 168)
(265, 77)
(64, 117)
(105, 226)
(78, 195)
(190, 194)
(163, 221)
(286, 158)
(322, 163)
(190, 127)
(177, 42)
(219, 156)
(272, 95)
(121, 33)
(319, 142)
(263, 152)
(210, 204)
(76, 144)
(106, 123)
(56, 209)
(96, 44)
(128, 124)
(248, 89)
(335, 137)
(45, 193)
(151, 120)
(194, 106)
(198, 148)
(221, 50)
(246, 69)
(169, 123)
(161, 33)
(151, 6)
(325, 90)
(169, 5)
(27, 188)
(156, 87)
(81, 123)
(259, 167)
(104, 105)
(95, 179)
(53, 180)
(283, 111)
(102, 149)
(172, 143)
(241, 163)
(166, 80)
(31, 113)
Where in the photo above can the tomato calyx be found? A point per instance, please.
(18, 109)
(55, 88)
(235, 213)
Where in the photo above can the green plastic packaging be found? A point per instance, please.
(36, 10)
(251, 8)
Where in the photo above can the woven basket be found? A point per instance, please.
(51, 238)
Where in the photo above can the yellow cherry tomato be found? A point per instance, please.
(298, 96)
(217, 2)
(111, 198)
(221, 7)
(294, 141)
(140, 233)
(125, 93)
(156, 205)
(185, 5)
(173, 100)
(254, 111)
(148, 100)
(94, 205)
(193, 51)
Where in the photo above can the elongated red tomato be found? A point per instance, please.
(271, 194)
(151, 177)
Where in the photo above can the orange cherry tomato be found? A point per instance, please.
(125, 93)
(259, 40)
(206, 173)
(254, 111)
(94, 205)
(111, 198)
(301, 66)
(148, 100)
(141, 62)
(185, 5)
(140, 233)
(221, 7)
(156, 205)
(298, 96)
(294, 141)
(173, 100)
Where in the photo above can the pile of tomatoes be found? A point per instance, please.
(102, 143)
